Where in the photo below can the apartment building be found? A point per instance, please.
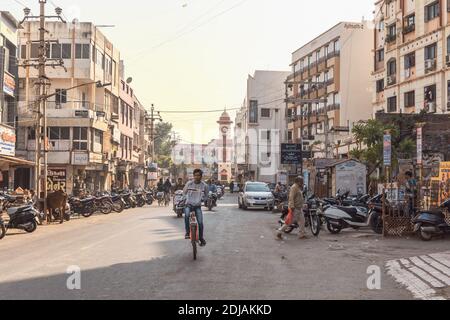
(329, 89)
(260, 127)
(411, 53)
(83, 128)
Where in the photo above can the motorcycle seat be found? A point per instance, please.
(350, 210)
(15, 210)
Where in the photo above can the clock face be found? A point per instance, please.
(224, 129)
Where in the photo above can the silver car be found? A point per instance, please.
(256, 195)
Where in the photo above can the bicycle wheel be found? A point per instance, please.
(194, 240)
(194, 249)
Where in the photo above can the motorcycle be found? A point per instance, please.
(211, 201)
(118, 204)
(86, 207)
(338, 217)
(149, 197)
(160, 196)
(22, 218)
(220, 192)
(140, 200)
(312, 218)
(428, 224)
(129, 199)
(179, 203)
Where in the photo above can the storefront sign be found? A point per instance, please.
(7, 141)
(56, 180)
(80, 159)
(9, 84)
(82, 113)
(152, 176)
(387, 150)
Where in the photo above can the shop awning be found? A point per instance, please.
(16, 161)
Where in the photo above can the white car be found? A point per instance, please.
(256, 195)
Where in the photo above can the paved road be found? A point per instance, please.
(142, 254)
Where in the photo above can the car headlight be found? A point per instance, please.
(249, 197)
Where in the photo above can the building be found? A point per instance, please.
(329, 89)
(9, 163)
(411, 71)
(260, 127)
(83, 123)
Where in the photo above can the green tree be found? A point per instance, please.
(163, 144)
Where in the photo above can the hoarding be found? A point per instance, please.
(7, 141)
(387, 150)
(56, 180)
(291, 153)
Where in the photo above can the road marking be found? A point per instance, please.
(422, 275)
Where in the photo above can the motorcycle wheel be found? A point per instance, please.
(315, 224)
(376, 223)
(2, 231)
(140, 203)
(67, 216)
(289, 230)
(425, 236)
(87, 214)
(333, 229)
(106, 208)
(210, 205)
(118, 206)
(32, 227)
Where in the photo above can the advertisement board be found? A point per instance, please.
(56, 180)
(291, 153)
(9, 84)
(7, 141)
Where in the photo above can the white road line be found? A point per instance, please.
(443, 258)
(436, 265)
(435, 273)
(415, 285)
(422, 274)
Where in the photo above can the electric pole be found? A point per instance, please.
(41, 103)
(152, 119)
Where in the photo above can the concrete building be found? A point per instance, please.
(260, 127)
(83, 123)
(411, 67)
(330, 87)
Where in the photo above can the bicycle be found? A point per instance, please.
(194, 236)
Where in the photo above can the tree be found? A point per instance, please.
(163, 144)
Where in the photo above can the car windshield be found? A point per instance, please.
(257, 188)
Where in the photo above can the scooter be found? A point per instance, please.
(339, 217)
(179, 203)
(429, 224)
(22, 218)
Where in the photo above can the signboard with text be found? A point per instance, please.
(419, 145)
(291, 153)
(387, 150)
(9, 84)
(56, 180)
(7, 141)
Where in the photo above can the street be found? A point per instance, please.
(142, 254)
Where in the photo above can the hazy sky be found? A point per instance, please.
(196, 54)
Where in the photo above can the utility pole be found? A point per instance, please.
(153, 118)
(41, 103)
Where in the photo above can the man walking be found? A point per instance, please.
(296, 202)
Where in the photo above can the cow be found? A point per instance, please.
(56, 201)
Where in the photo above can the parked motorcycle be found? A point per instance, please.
(118, 204)
(149, 197)
(312, 218)
(179, 203)
(22, 218)
(140, 199)
(429, 224)
(86, 207)
(338, 217)
(130, 201)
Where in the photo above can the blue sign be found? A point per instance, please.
(387, 150)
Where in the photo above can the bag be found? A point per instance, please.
(290, 217)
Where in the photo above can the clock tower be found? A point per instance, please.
(225, 130)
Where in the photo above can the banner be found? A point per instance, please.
(387, 150)
(7, 141)
(419, 145)
(9, 85)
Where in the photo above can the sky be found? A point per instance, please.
(196, 55)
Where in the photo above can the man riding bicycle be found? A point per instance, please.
(195, 191)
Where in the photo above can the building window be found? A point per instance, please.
(380, 55)
(337, 47)
(432, 11)
(448, 44)
(61, 51)
(59, 133)
(265, 135)
(289, 137)
(410, 23)
(410, 60)
(380, 85)
(265, 113)
(98, 136)
(80, 138)
(392, 104)
(430, 52)
(61, 96)
(391, 67)
(410, 99)
(23, 51)
(82, 51)
(253, 116)
(430, 99)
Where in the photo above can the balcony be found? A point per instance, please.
(390, 38)
(409, 29)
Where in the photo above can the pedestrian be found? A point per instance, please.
(296, 202)
(231, 186)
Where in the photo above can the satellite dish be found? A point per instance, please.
(129, 80)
